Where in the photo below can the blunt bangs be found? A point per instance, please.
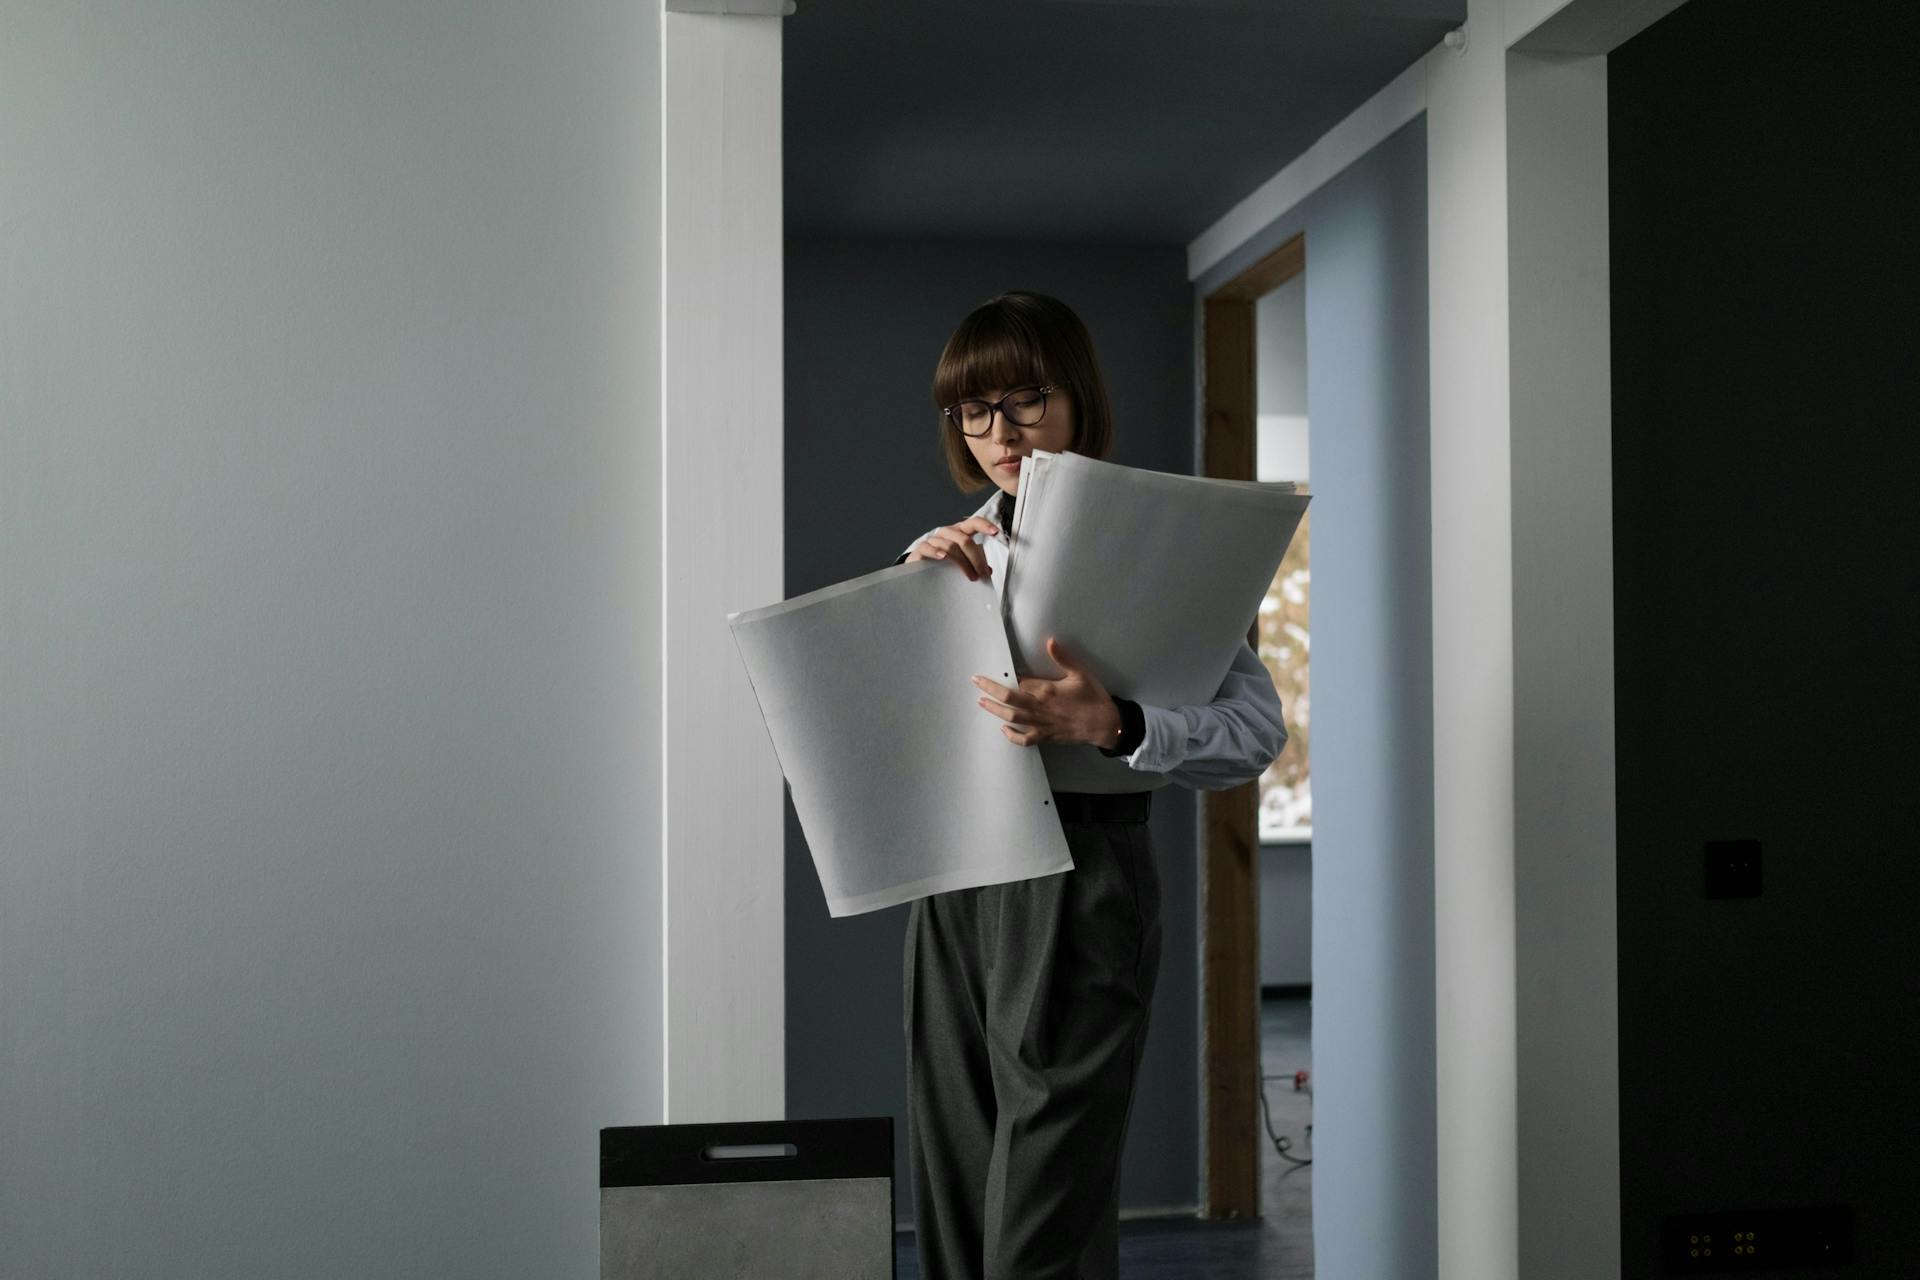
(990, 350)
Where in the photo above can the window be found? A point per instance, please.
(1280, 341)
(1286, 788)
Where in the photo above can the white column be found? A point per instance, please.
(723, 935)
(1472, 654)
(1527, 1001)
(1566, 946)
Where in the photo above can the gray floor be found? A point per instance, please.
(1277, 1246)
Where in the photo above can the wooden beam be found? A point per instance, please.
(1230, 886)
(1262, 278)
(1230, 850)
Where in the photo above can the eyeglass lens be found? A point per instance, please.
(1023, 408)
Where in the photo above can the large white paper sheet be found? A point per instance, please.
(1152, 579)
(903, 785)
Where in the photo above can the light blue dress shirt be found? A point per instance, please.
(1209, 747)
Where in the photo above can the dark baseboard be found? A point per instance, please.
(1287, 991)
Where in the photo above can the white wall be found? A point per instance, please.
(329, 717)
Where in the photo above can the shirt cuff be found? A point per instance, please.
(1164, 744)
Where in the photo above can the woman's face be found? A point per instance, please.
(1004, 441)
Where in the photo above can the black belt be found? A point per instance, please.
(1089, 806)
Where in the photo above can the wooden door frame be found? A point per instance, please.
(1229, 839)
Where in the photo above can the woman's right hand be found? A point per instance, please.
(955, 542)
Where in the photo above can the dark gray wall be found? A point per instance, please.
(329, 719)
(1374, 1189)
(1767, 614)
(866, 319)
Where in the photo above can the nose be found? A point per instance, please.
(1002, 429)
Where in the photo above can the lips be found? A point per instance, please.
(1011, 464)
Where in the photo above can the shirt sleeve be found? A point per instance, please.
(1221, 744)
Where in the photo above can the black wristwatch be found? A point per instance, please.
(1133, 728)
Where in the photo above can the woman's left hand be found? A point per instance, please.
(1073, 708)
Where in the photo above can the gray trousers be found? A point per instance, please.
(1026, 1012)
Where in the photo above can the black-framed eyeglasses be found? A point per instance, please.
(1022, 407)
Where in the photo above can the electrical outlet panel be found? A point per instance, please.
(1756, 1240)
(1733, 868)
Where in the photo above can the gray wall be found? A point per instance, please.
(1767, 601)
(1374, 1191)
(1280, 349)
(1286, 914)
(328, 726)
(866, 319)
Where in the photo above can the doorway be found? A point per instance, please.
(1244, 1147)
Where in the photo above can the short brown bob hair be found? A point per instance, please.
(1015, 340)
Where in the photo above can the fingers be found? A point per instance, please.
(962, 550)
(977, 557)
(1016, 718)
(1023, 697)
(976, 524)
(955, 542)
(1075, 672)
(1068, 709)
(961, 536)
(1018, 727)
(1028, 719)
(1019, 710)
(939, 549)
(996, 709)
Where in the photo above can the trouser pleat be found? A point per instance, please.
(1026, 1008)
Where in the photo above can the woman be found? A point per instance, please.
(1026, 1004)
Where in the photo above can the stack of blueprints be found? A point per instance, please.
(904, 787)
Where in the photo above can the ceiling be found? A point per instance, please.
(1138, 121)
